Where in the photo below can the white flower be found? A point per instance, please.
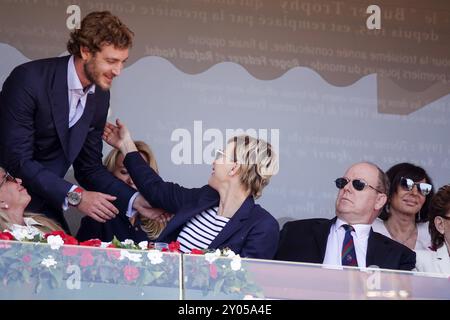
(49, 262)
(55, 242)
(229, 253)
(128, 242)
(105, 244)
(143, 245)
(212, 256)
(155, 256)
(135, 257)
(24, 232)
(235, 263)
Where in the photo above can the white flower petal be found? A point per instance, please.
(55, 242)
(155, 256)
(143, 245)
(49, 262)
(235, 263)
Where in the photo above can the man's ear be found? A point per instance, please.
(381, 201)
(85, 53)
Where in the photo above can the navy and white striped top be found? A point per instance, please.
(201, 230)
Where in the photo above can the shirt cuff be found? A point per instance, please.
(130, 211)
(65, 205)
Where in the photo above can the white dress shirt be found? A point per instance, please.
(423, 236)
(436, 262)
(27, 231)
(76, 93)
(77, 102)
(336, 238)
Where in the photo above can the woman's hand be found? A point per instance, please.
(118, 136)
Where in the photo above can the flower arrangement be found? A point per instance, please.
(219, 272)
(57, 260)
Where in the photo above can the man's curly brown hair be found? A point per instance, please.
(99, 29)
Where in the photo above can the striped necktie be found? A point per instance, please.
(348, 254)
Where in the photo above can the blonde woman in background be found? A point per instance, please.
(221, 214)
(137, 228)
(14, 198)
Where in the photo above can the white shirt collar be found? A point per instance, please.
(361, 230)
(73, 82)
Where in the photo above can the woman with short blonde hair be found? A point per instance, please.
(221, 214)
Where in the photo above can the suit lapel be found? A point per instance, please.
(59, 101)
(235, 223)
(79, 131)
(320, 231)
(376, 250)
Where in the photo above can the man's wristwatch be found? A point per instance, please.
(74, 197)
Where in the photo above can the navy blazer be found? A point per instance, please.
(120, 227)
(37, 145)
(252, 232)
(306, 241)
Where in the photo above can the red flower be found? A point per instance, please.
(87, 259)
(112, 254)
(55, 233)
(196, 251)
(6, 236)
(174, 246)
(70, 240)
(130, 273)
(26, 258)
(213, 271)
(91, 243)
(69, 251)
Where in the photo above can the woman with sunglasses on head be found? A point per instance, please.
(221, 214)
(405, 216)
(14, 198)
(438, 260)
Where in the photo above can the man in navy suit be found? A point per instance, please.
(348, 239)
(52, 115)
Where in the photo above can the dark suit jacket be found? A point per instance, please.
(37, 146)
(120, 227)
(306, 241)
(252, 232)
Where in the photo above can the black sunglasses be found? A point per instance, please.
(7, 178)
(358, 184)
(408, 184)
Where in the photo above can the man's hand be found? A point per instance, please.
(119, 137)
(98, 206)
(146, 210)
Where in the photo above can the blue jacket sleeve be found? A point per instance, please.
(166, 195)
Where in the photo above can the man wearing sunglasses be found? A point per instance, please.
(348, 239)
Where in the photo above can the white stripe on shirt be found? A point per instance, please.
(201, 230)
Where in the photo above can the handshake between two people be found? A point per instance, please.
(99, 205)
